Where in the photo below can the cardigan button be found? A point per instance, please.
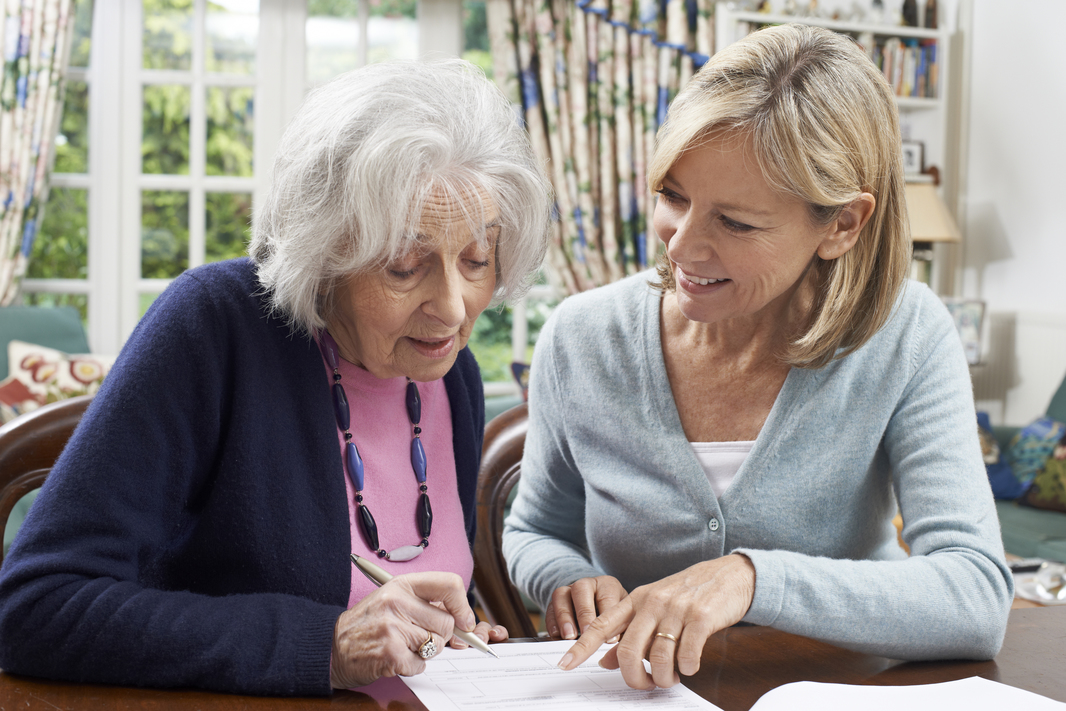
(713, 524)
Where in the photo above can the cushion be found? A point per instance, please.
(57, 327)
(1048, 490)
(15, 398)
(48, 375)
(1000, 476)
(1032, 447)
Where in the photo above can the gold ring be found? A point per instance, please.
(428, 648)
(667, 636)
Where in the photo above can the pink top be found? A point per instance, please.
(382, 431)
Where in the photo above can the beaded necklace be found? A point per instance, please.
(353, 463)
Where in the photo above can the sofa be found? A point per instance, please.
(1029, 532)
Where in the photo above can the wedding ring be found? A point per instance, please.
(428, 648)
(664, 635)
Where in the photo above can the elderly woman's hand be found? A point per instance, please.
(574, 607)
(689, 606)
(381, 635)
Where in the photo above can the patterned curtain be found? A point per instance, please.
(35, 46)
(594, 79)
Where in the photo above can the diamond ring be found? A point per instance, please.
(428, 648)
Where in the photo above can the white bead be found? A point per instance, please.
(404, 553)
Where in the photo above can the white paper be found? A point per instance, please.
(526, 677)
(972, 694)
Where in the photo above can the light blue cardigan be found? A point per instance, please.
(610, 484)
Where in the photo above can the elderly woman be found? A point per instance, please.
(197, 529)
(762, 409)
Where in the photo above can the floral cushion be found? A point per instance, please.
(1031, 448)
(39, 375)
(1048, 490)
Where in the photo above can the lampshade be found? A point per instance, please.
(930, 219)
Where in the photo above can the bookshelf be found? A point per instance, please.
(918, 64)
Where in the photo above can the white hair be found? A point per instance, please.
(357, 162)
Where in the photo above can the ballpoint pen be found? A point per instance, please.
(379, 577)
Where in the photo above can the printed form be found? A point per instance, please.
(525, 677)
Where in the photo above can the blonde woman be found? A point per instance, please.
(753, 420)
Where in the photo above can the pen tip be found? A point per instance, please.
(493, 653)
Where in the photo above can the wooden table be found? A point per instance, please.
(740, 664)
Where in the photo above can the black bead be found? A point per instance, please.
(423, 488)
(414, 403)
(418, 430)
(368, 527)
(340, 407)
(347, 436)
(424, 543)
(336, 377)
(425, 515)
(359, 498)
(382, 554)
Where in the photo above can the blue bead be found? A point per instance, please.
(414, 403)
(418, 459)
(340, 407)
(354, 463)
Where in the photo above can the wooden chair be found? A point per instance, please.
(501, 458)
(30, 445)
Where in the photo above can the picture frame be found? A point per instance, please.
(913, 157)
(968, 315)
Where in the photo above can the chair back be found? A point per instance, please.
(30, 445)
(501, 459)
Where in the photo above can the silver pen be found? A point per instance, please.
(379, 577)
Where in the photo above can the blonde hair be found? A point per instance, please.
(357, 163)
(824, 127)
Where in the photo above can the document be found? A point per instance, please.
(525, 677)
(972, 694)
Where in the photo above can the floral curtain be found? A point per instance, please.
(35, 49)
(594, 79)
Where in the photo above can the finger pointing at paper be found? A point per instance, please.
(688, 607)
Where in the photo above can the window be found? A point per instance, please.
(172, 112)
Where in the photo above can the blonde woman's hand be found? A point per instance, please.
(689, 606)
(573, 607)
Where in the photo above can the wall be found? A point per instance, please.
(1014, 255)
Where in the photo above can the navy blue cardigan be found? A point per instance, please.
(194, 533)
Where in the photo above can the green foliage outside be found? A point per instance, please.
(229, 216)
(62, 254)
(81, 42)
(72, 142)
(491, 338)
(165, 132)
(164, 234)
(476, 35)
(167, 34)
(230, 131)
